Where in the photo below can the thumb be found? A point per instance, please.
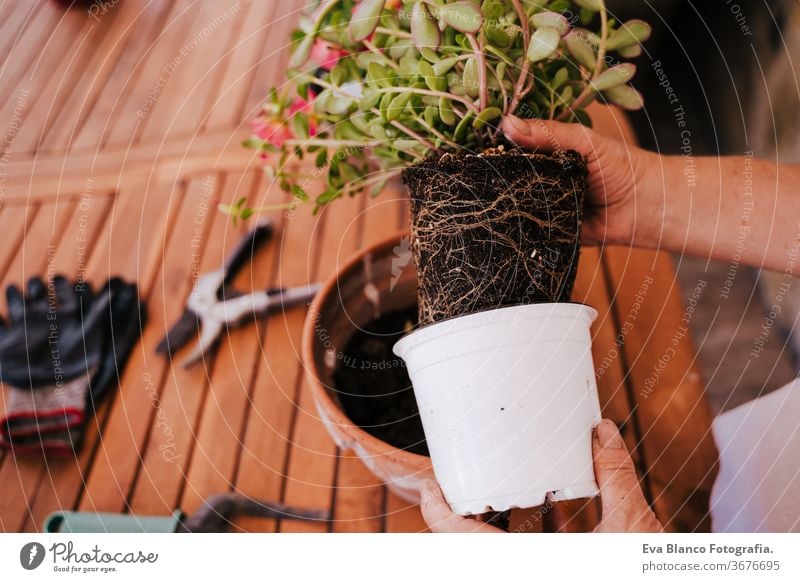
(441, 519)
(550, 135)
(619, 485)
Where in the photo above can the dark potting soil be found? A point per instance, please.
(373, 386)
(494, 229)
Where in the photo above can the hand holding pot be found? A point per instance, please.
(623, 504)
(616, 171)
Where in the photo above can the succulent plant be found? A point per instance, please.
(377, 85)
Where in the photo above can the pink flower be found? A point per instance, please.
(271, 130)
(276, 130)
(326, 55)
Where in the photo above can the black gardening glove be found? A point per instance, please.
(63, 348)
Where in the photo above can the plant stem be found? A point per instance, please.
(409, 132)
(390, 32)
(368, 181)
(519, 87)
(588, 91)
(331, 142)
(435, 132)
(375, 50)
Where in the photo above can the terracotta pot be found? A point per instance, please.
(377, 280)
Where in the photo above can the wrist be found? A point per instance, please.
(659, 214)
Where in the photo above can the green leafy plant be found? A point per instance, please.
(377, 85)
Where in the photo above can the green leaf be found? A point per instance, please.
(614, 77)
(397, 105)
(593, 5)
(566, 96)
(409, 66)
(493, 9)
(369, 99)
(429, 55)
(554, 19)
(405, 144)
(377, 75)
(630, 33)
(544, 43)
(470, 77)
(463, 16)
(446, 112)
(299, 193)
(302, 52)
(338, 104)
(486, 116)
(443, 67)
(625, 96)
(386, 100)
(630, 52)
(581, 49)
(497, 36)
(377, 188)
(424, 31)
(321, 159)
(365, 19)
(299, 125)
(431, 115)
(461, 128)
(561, 77)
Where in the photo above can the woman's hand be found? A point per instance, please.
(623, 504)
(617, 172)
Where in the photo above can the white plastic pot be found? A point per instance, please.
(508, 401)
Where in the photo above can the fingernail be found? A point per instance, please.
(519, 125)
(608, 435)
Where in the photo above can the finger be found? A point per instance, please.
(16, 304)
(65, 292)
(36, 290)
(616, 475)
(549, 135)
(441, 519)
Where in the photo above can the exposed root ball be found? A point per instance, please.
(495, 229)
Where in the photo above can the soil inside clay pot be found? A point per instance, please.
(373, 386)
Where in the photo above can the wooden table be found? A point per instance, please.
(122, 131)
